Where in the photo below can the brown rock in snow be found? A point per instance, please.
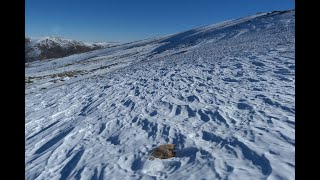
(163, 152)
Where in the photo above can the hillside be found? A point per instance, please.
(224, 94)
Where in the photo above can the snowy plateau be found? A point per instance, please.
(224, 94)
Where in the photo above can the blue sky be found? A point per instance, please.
(129, 20)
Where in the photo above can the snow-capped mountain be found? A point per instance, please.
(41, 48)
(224, 94)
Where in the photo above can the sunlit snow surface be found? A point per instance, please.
(224, 94)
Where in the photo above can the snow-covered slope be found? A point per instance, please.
(224, 94)
(41, 48)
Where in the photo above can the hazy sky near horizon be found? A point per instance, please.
(130, 20)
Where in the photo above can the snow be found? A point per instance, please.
(65, 42)
(224, 94)
(49, 40)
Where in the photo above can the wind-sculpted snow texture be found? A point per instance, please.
(224, 94)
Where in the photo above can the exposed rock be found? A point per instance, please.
(163, 152)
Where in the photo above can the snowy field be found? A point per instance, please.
(224, 94)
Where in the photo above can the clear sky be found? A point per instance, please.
(129, 20)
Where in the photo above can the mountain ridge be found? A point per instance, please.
(42, 48)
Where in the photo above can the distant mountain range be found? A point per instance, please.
(41, 48)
